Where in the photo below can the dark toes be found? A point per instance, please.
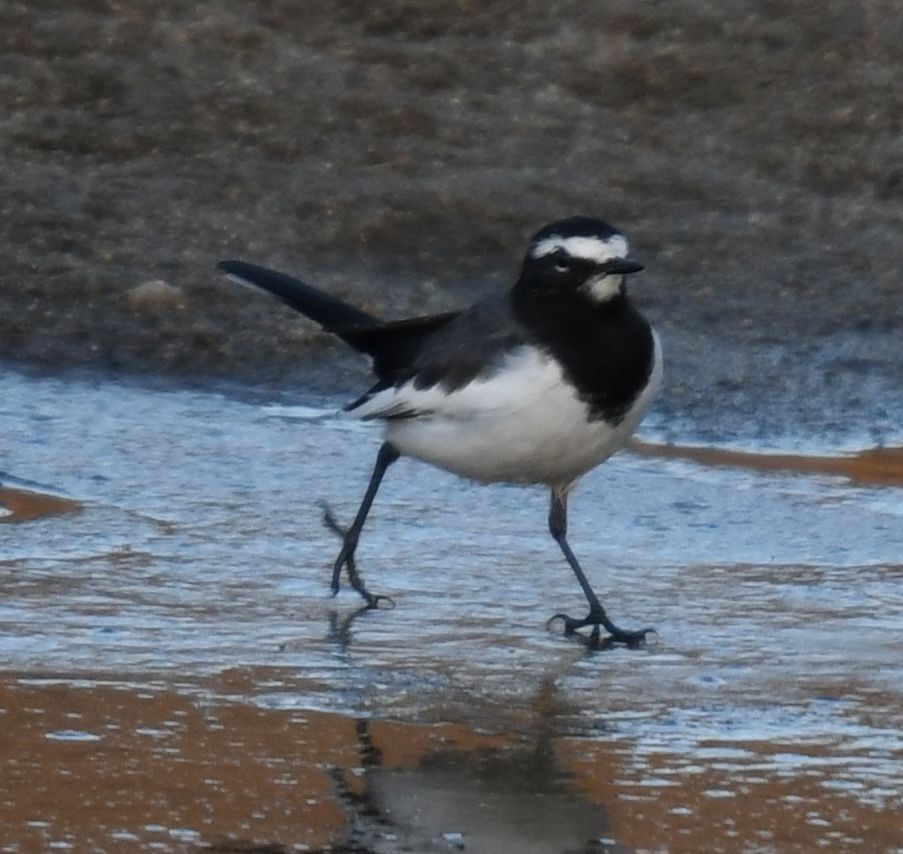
(632, 639)
(615, 635)
(570, 624)
(374, 600)
(330, 521)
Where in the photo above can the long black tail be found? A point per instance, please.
(330, 312)
(393, 346)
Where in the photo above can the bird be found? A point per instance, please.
(535, 385)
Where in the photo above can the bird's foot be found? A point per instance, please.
(372, 599)
(346, 559)
(598, 618)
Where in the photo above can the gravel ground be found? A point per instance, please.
(402, 153)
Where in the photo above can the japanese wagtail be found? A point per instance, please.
(537, 385)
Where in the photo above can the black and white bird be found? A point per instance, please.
(537, 385)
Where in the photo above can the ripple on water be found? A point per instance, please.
(198, 554)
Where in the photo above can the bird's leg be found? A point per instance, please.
(386, 456)
(558, 526)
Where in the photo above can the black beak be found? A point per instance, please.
(621, 266)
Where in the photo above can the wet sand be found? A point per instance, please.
(870, 466)
(22, 505)
(873, 466)
(130, 766)
(178, 678)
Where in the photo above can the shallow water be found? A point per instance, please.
(174, 627)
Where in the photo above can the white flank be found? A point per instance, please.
(588, 248)
(523, 424)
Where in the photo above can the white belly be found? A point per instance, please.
(523, 425)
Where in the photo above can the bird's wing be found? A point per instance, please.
(469, 346)
(394, 345)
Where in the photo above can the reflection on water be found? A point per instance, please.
(167, 765)
(172, 645)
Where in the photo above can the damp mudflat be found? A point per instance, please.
(176, 676)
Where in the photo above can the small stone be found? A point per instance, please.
(154, 295)
(455, 839)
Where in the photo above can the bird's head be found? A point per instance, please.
(579, 254)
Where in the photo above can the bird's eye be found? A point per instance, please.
(561, 260)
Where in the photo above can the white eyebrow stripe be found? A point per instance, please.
(588, 248)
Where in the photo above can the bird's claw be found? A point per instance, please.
(630, 638)
(373, 600)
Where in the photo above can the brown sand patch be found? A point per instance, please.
(25, 505)
(103, 766)
(875, 466)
